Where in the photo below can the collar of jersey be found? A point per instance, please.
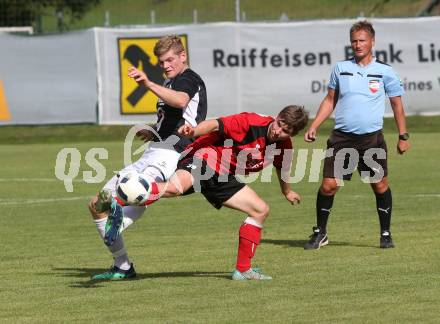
(364, 66)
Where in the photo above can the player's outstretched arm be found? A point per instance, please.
(205, 127)
(325, 109)
(176, 99)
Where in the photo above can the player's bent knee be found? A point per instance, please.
(380, 187)
(173, 191)
(265, 211)
(329, 188)
(91, 205)
(92, 209)
(261, 213)
(326, 191)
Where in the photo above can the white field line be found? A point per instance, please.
(422, 195)
(35, 180)
(9, 202)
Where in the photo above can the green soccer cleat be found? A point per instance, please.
(251, 274)
(104, 201)
(114, 273)
(113, 226)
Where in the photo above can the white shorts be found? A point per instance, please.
(156, 164)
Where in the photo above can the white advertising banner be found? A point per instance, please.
(259, 67)
(47, 79)
(263, 67)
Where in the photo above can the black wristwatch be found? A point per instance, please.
(404, 137)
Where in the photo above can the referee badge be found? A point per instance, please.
(374, 85)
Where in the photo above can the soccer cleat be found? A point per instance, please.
(386, 241)
(251, 274)
(113, 227)
(114, 273)
(317, 239)
(104, 201)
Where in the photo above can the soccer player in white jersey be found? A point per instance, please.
(356, 94)
(182, 100)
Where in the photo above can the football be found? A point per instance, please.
(133, 188)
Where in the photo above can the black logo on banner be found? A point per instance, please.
(139, 59)
(139, 52)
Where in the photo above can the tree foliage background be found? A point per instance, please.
(29, 12)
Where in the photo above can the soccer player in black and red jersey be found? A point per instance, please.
(182, 99)
(225, 147)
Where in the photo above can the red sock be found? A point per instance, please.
(154, 194)
(249, 238)
(119, 201)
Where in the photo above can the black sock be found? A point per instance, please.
(384, 205)
(323, 206)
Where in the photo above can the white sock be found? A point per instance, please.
(100, 226)
(117, 250)
(252, 221)
(131, 215)
(120, 254)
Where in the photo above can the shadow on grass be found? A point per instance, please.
(287, 243)
(301, 243)
(89, 272)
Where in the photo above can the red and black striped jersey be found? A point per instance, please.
(241, 146)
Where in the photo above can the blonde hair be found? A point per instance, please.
(167, 43)
(363, 25)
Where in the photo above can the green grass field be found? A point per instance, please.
(184, 249)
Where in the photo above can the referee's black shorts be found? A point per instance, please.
(217, 188)
(342, 166)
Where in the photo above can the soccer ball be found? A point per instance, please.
(133, 189)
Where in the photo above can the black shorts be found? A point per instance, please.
(368, 153)
(215, 187)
